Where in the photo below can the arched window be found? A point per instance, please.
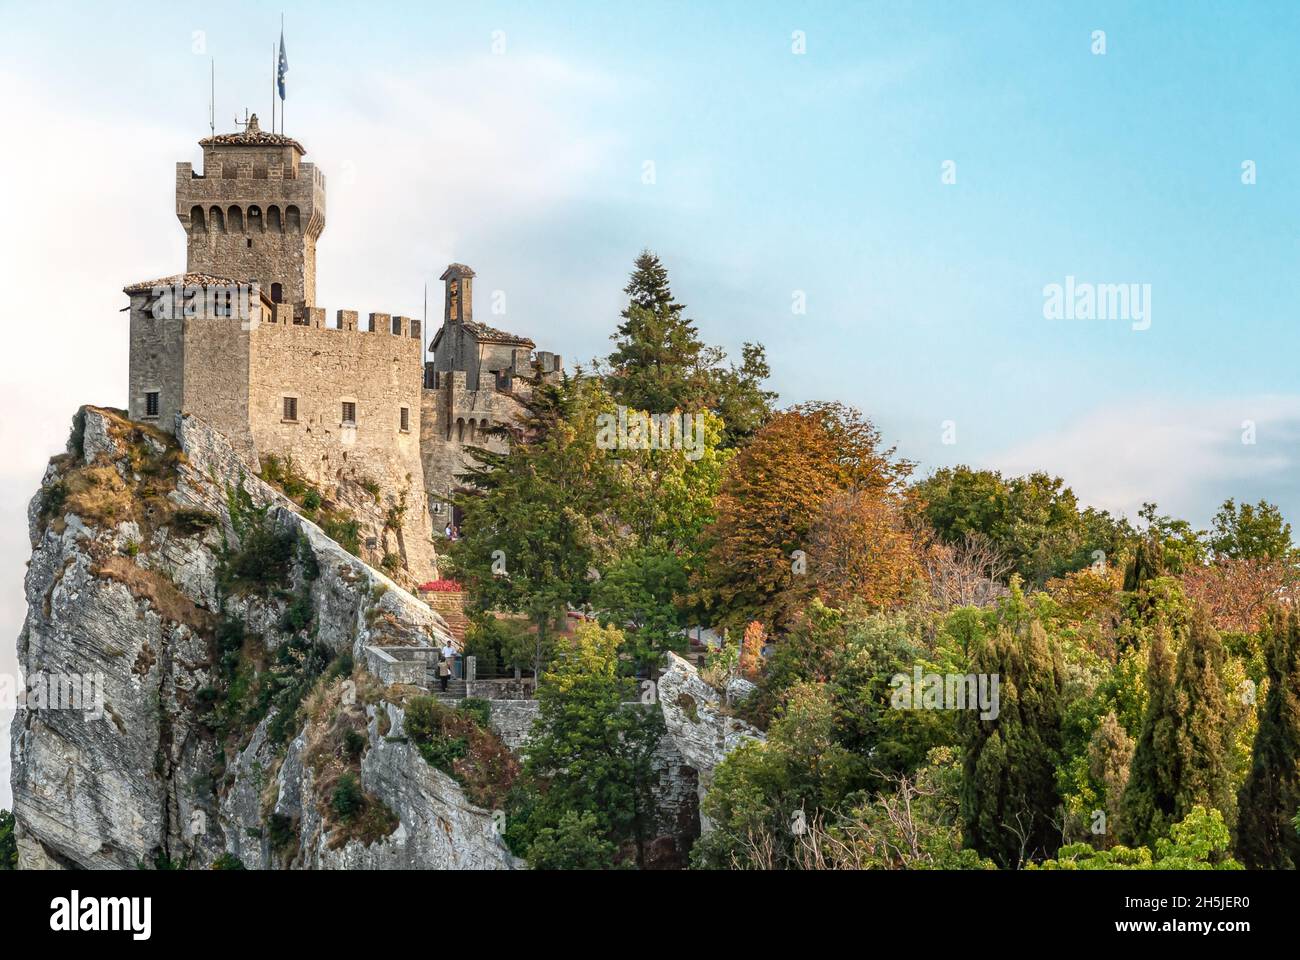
(197, 223)
(235, 219)
(460, 430)
(254, 218)
(273, 219)
(277, 293)
(292, 218)
(217, 219)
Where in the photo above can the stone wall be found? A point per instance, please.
(379, 373)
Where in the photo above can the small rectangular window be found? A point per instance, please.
(291, 408)
(405, 420)
(350, 414)
(151, 403)
(397, 326)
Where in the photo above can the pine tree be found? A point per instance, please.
(1009, 796)
(658, 363)
(1181, 758)
(1270, 798)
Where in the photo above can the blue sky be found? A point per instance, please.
(775, 172)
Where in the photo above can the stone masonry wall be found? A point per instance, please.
(322, 367)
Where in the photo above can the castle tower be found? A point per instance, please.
(254, 213)
(458, 306)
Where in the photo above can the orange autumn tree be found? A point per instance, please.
(861, 550)
(751, 650)
(774, 493)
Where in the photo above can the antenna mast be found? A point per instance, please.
(212, 99)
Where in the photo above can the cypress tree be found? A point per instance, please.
(1270, 797)
(1181, 759)
(1009, 797)
(1149, 794)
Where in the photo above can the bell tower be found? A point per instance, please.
(458, 306)
(254, 213)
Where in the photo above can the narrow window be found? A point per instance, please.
(277, 293)
(405, 420)
(349, 414)
(151, 403)
(397, 326)
(291, 408)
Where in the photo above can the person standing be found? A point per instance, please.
(444, 672)
(449, 656)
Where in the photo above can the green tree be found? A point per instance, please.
(540, 516)
(575, 843)
(657, 360)
(1250, 532)
(8, 845)
(1009, 796)
(591, 751)
(1181, 758)
(739, 397)
(1034, 521)
(1270, 798)
(638, 593)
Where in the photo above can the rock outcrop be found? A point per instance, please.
(162, 721)
(698, 724)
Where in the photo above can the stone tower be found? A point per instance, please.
(254, 213)
(458, 306)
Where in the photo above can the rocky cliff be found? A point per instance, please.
(189, 656)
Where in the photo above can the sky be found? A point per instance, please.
(877, 192)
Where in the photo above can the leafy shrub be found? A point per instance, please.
(228, 861)
(348, 798)
(281, 831)
(265, 551)
(354, 742)
(189, 522)
(478, 708)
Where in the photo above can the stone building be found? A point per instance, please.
(473, 382)
(239, 341)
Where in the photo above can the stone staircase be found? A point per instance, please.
(455, 688)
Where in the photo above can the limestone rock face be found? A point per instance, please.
(114, 761)
(697, 724)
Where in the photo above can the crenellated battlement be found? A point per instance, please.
(345, 321)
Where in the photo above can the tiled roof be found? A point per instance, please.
(488, 334)
(184, 279)
(252, 136)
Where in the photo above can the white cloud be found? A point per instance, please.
(1188, 457)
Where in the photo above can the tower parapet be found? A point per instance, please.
(255, 212)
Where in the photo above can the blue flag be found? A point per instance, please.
(282, 68)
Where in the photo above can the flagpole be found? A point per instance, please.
(274, 64)
(277, 68)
